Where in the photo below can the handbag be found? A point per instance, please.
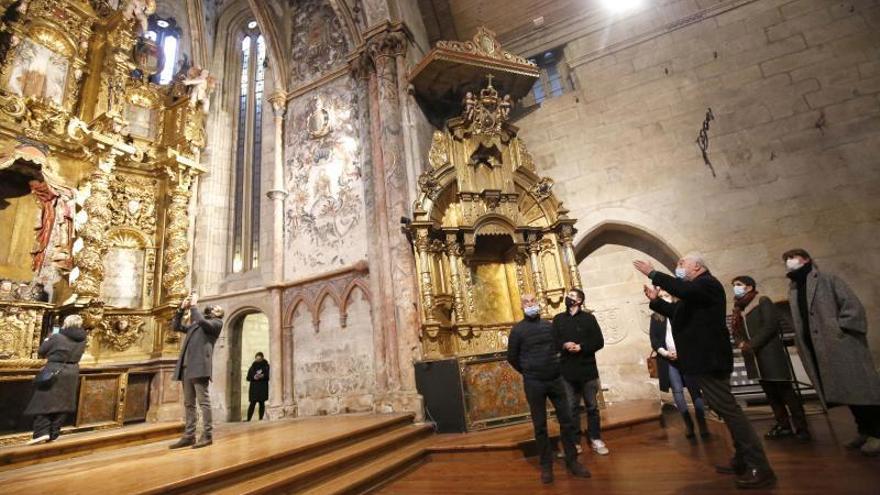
(652, 364)
(46, 377)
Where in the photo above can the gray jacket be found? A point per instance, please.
(842, 368)
(198, 348)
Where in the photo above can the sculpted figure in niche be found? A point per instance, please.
(202, 84)
(140, 10)
(470, 106)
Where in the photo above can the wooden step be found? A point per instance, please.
(250, 468)
(296, 477)
(79, 444)
(373, 474)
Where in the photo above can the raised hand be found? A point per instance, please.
(645, 267)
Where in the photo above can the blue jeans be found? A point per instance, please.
(677, 383)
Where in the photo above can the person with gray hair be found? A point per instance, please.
(702, 342)
(57, 382)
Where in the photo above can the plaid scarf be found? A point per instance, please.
(738, 326)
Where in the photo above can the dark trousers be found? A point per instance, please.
(262, 404)
(716, 391)
(587, 391)
(537, 393)
(784, 402)
(48, 424)
(867, 420)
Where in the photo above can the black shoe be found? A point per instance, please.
(547, 475)
(779, 431)
(756, 478)
(578, 470)
(735, 467)
(203, 442)
(688, 425)
(183, 442)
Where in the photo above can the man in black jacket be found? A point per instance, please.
(531, 350)
(702, 341)
(578, 337)
(194, 368)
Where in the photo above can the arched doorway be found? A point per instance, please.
(250, 335)
(614, 291)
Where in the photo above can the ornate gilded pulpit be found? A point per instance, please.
(486, 228)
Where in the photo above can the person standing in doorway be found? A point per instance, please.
(258, 390)
(532, 351)
(699, 325)
(670, 378)
(578, 337)
(194, 368)
(831, 332)
(757, 333)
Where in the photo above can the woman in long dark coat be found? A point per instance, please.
(51, 403)
(756, 330)
(671, 378)
(258, 391)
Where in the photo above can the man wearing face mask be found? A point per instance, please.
(699, 326)
(756, 331)
(578, 337)
(532, 351)
(831, 334)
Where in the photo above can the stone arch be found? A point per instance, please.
(320, 300)
(235, 360)
(290, 311)
(628, 235)
(355, 285)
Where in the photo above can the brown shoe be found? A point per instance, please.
(183, 442)
(756, 478)
(203, 442)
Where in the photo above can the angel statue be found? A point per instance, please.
(140, 10)
(202, 86)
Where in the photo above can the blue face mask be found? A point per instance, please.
(532, 311)
(739, 291)
(680, 273)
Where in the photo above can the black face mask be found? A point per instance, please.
(570, 303)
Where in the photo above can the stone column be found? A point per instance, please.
(278, 193)
(394, 268)
(175, 267)
(566, 238)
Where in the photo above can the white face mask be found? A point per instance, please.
(794, 264)
(739, 291)
(680, 273)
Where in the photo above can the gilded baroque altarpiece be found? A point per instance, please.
(96, 165)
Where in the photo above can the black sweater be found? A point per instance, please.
(582, 329)
(532, 351)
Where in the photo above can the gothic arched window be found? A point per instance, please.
(248, 150)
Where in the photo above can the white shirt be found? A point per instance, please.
(670, 342)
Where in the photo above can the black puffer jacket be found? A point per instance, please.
(532, 351)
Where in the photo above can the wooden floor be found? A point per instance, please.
(254, 454)
(660, 462)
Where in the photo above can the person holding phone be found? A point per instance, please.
(194, 365)
(258, 390)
